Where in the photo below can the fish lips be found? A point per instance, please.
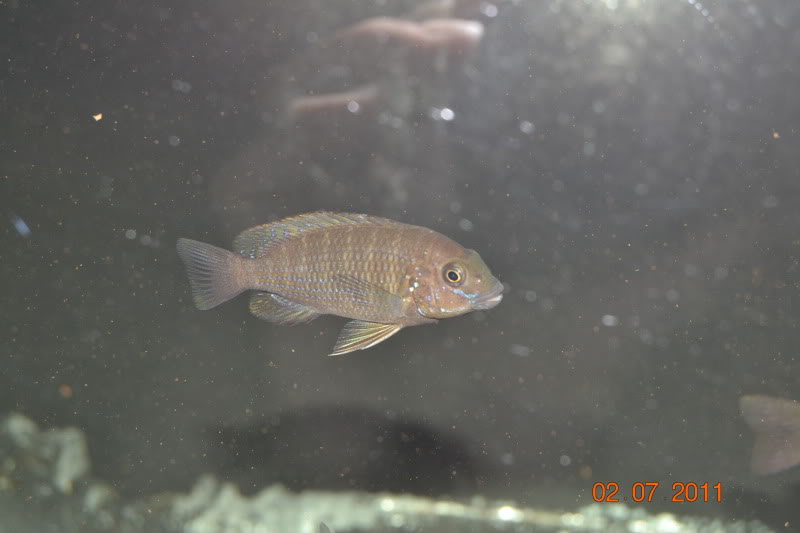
(490, 299)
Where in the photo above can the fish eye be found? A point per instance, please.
(453, 275)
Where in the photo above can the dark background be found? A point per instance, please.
(629, 158)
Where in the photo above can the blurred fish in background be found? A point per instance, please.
(776, 424)
(377, 88)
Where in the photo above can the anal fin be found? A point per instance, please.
(280, 310)
(359, 335)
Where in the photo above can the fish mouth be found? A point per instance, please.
(490, 299)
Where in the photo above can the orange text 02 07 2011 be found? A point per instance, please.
(648, 491)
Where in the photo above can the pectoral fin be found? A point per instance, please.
(369, 293)
(359, 335)
(279, 310)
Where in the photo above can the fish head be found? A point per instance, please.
(453, 284)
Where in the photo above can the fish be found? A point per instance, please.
(381, 274)
(776, 424)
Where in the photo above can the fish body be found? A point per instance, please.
(776, 424)
(382, 274)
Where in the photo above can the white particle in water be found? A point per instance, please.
(526, 127)
(519, 350)
(353, 106)
(387, 505)
(672, 295)
(20, 225)
(598, 106)
(444, 113)
(130, 234)
(174, 140)
(447, 114)
(565, 460)
(733, 105)
(465, 224)
(181, 86)
(507, 513)
(609, 321)
(490, 10)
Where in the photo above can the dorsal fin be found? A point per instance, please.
(255, 242)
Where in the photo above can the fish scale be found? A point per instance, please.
(382, 274)
(357, 257)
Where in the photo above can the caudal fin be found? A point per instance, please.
(212, 272)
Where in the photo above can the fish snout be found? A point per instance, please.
(491, 298)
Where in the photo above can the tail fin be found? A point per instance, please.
(212, 272)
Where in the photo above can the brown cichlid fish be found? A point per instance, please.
(382, 274)
(776, 423)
